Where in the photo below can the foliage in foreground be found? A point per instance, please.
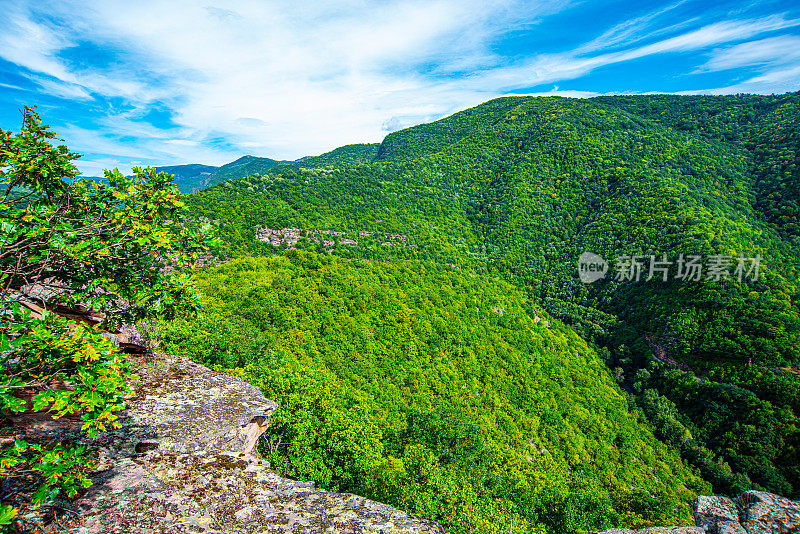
(76, 243)
(445, 394)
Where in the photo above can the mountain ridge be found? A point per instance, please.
(520, 187)
(193, 177)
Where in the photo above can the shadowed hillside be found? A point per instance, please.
(521, 187)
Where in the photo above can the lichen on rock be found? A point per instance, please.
(766, 513)
(718, 514)
(211, 492)
(754, 512)
(185, 461)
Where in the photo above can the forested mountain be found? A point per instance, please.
(765, 126)
(244, 166)
(447, 394)
(432, 137)
(339, 157)
(520, 187)
(191, 177)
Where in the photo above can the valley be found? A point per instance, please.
(404, 267)
(513, 192)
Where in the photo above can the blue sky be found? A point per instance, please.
(170, 82)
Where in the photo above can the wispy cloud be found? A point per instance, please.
(287, 79)
(631, 31)
(770, 52)
(550, 68)
(14, 87)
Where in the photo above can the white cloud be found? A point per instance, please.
(764, 52)
(55, 87)
(14, 87)
(288, 79)
(633, 30)
(777, 59)
(713, 34)
(282, 79)
(779, 76)
(549, 68)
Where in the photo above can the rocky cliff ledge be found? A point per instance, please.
(753, 512)
(185, 461)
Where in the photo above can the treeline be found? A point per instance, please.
(520, 187)
(448, 395)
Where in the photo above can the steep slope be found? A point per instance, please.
(445, 394)
(191, 177)
(251, 165)
(339, 157)
(244, 166)
(182, 462)
(524, 186)
(432, 137)
(766, 126)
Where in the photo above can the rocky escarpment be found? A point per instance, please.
(185, 461)
(753, 512)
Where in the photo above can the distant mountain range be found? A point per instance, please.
(193, 177)
(189, 178)
(524, 187)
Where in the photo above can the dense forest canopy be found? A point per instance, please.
(519, 188)
(447, 394)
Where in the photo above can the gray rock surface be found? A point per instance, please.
(216, 493)
(185, 407)
(184, 461)
(765, 513)
(711, 509)
(754, 512)
(727, 526)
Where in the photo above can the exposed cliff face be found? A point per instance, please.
(754, 512)
(185, 461)
(210, 492)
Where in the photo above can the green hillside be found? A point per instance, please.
(190, 178)
(521, 187)
(446, 394)
(194, 177)
(766, 126)
(244, 166)
(435, 136)
(338, 157)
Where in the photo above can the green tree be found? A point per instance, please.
(116, 249)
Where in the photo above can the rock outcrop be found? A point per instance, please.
(764, 513)
(207, 492)
(185, 461)
(183, 407)
(754, 512)
(717, 514)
